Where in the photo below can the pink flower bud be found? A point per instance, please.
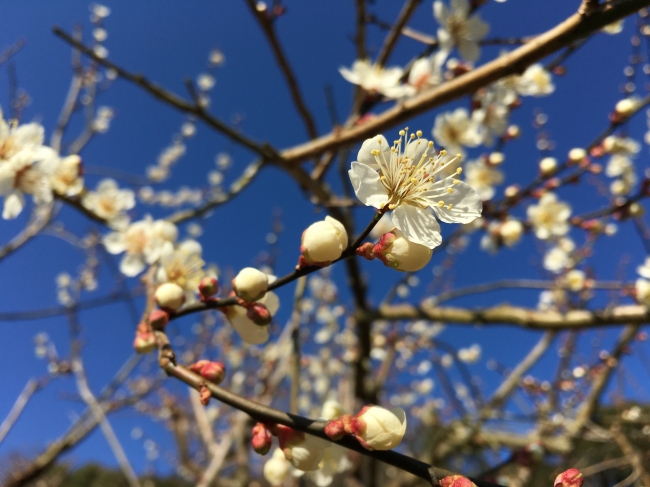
(335, 429)
(365, 251)
(158, 319)
(212, 371)
(455, 481)
(170, 296)
(145, 340)
(262, 439)
(377, 428)
(396, 251)
(570, 478)
(259, 314)
(208, 287)
(250, 284)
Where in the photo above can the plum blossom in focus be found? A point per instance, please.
(459, 31)
(402, 177)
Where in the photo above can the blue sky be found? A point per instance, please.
(169, 42)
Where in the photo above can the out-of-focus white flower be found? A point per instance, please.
(549, 217)
(614, 28)
(324, 241)
(644, 270)
(427, 72)
(66, 179)
(249, 331)
(205, 82)
(482, 177)
(577, 154)
(470, 355)
(627, 106)
(575, 280)
(402, 177)
(110, 202)
(142, 242)
(642, 291)
(183, 266)
(375, 79)
(335, 460)
(511, 231)
(332, 409)
(559, 257)
(457, 30)
(378, 428)
(302, 450)
(277, 469)
(456, 129)
(548, 165)
(535, 81)
(492, 120)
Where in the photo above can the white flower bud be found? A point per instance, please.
(250, 284)
(496, 158)
(396, 251)
(510, 232)
(170, 296)
(627, 106)
(577, 154)
(548, 165)
(380, 429)
(575, 280)
(324, 241)
(277, 468)
(331, 409)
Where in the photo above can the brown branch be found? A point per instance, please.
(632, 454)
(40, 219)
(568, 31)
(30, 388)
(393, 36)
(11, 51)
(513, 315)
(170, 98)
(280, 57)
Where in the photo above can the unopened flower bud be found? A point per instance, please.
(365, 251)
(455, 481)
(626, 107)
(170, 296)
(250, 284)
(323, 242)
(377, 428)
(208, 287)
(212, 371)
(158, 319)
(570, 478)
(496, 158)
(575, 280)
(511, 191)
(396, 251)
(577, 154)
(303, 451)
(548, 165)
(262, 439)
(259, 314)
(145, 340)
(513, 131)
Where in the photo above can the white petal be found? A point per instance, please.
(477, 28)
(13, 206)
(131, 265)
(418, 225)
(468, 50)
(466, 205)
(460, 7)
(378, 142)
(440, 12)
(416, 149)
(367, 185)
(271, 301)
(250, 332)
(114, 243)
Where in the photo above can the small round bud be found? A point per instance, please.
(513, 132)
(204, 394)
(212, 371)
(396, 251)
(208, 287)
(548, 165)
(259, 314)
(570, 478)
(455, 481)
(511, 191)
(510, 232)
(170, 296)
(323, 242)
(262, 439)
(577, 154)
(377, 428)
(496, 158)
(158, 319)
(626, 107)
(250, 284)
(145, 340)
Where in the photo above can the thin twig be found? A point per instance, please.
(393, 36)
(30, 388)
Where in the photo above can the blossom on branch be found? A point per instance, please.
(456, 129)
(459, 30)
(401, 178)
(323, 242)
(550, 217)
(375, 79)
(110, 202)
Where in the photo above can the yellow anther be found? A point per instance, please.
(419, 133)
(392, 206)
(383, 178)
(449, 190)
(412, 136)
(441, 204)
(456, 181)
(459, 156)
(379, 140)
(375, 152)
(402, 133)
(449, 206)
(430, 144)
(459, 170)
(443, 152)
(413, 180)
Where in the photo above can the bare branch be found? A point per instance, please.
(393, 36)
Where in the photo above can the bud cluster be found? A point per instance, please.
(374, 427)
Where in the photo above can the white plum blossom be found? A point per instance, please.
(250, 332)
(380, 428)
(575, 280)
(277, 468)
(376, 79)
(182, 265)
(621, 164)
(142, 242)
(402, 177)
(492, 120)
(644, 270)
(549, 217)
(250, 284)
(426, 72)
(456, 129)
(470, 355)
(324, 241)
(535, 81)
(66, 178)
(169, 296)
(459, 31)
(110, 202)
(482, 177)
(510, 232)
(559, 258)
